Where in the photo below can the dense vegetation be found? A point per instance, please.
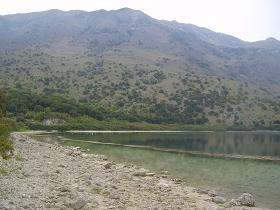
(53, 112)
(5, 129)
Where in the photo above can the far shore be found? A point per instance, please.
(139, 131)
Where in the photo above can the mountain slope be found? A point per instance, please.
(138, 64)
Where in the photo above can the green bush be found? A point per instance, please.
(6, 146)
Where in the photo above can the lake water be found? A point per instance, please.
(228, 162)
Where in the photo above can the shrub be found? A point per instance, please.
(6, 146)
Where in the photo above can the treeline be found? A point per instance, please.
(24, 105)
(32, 111)
(6, 146)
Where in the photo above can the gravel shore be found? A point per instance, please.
(49, 176)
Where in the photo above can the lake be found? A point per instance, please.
(229, 162)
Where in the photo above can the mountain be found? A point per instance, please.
(130, 61)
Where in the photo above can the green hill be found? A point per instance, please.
(127, 62)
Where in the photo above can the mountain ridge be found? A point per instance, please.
(129, 60)
(126, 9)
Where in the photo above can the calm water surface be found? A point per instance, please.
(230, 177)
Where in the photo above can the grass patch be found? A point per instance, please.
(19, 158)
(3, 172)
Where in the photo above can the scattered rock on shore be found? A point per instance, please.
(56, 177)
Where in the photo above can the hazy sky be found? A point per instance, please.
(249, 20)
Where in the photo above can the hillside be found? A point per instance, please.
(127, 61)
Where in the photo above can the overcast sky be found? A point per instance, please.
(249, 20)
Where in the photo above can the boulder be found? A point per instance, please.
(247, 199)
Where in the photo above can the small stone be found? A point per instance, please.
(219, 200)
(216, 208)
(103, 157)
(164, 172)
(5, 206)
(22, 139)
(108, 165)
(64, 189)
(150, 174)
(62, 166)
(78, 204)
(84, 155)
(139, 173)
(114, 196)
(212, 193)
(201, 191)
(76, 153)
(24, 196)
(25, 174)
(163, 185)
(234, 202)
(177, 180)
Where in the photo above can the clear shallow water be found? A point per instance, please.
(230, 177)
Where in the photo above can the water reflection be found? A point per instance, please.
(235, 143)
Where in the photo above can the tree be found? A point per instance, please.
(3, 104)
(5, 143)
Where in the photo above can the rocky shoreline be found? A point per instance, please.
(48, 176)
